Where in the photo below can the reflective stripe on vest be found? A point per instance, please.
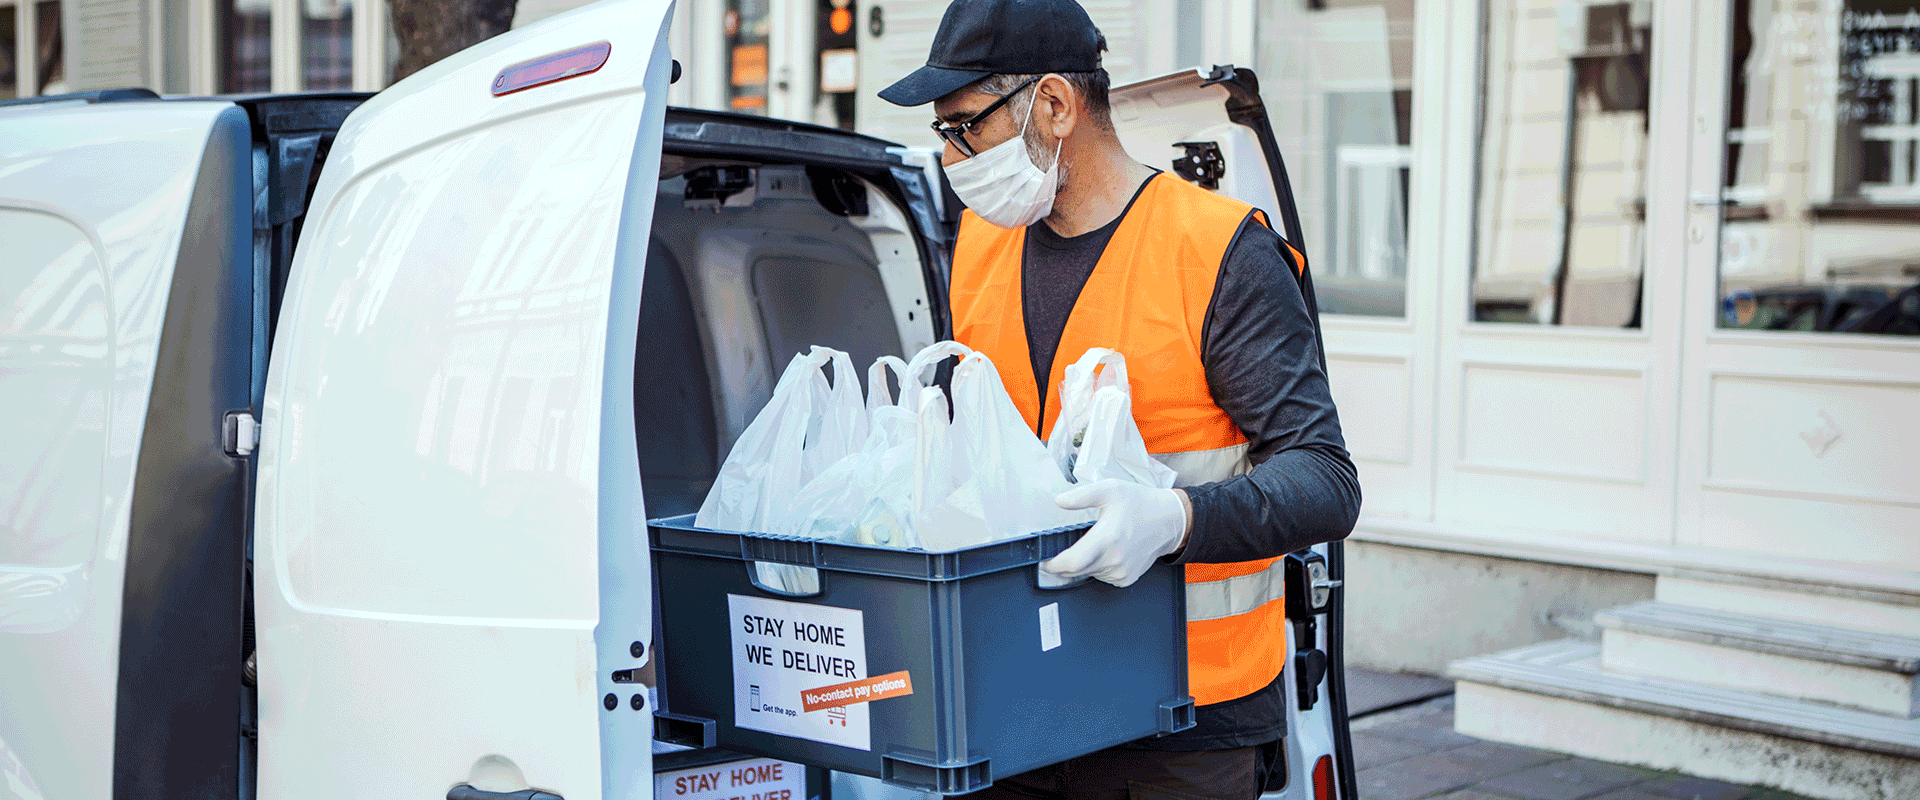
(1146, 298)
(1206, 466)
(1230, 597)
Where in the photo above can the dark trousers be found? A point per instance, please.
(1125, 774)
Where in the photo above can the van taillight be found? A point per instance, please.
(546, 69)
(1323, 778)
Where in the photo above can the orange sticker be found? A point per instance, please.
(865, 690)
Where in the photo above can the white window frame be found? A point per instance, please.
(26, 46)
(369, 49)
(1902, 134)
(1365, 184)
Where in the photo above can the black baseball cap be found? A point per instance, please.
(978, 38)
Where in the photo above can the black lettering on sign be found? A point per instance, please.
(763, 626)
(814, 662)
(815, 633)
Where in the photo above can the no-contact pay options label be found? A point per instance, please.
(782, 650)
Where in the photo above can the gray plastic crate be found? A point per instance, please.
(1006, 676)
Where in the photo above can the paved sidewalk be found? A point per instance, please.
(1413, 753)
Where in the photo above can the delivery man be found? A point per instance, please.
(1068, 243)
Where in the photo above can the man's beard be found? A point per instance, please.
(1036, 149)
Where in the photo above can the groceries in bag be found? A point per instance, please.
(935, 470)
(1095, 437)
(806, 422)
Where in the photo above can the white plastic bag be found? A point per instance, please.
(899, 465)
(1095, 436)
(806, 428)
(822, 463)
(946, 504)
(824, 506)
(877, 395)
(766, 466)
(860, 496)
(840, 427)
(859, 491)
(885, 476)
(919, 372)
(1013, 476)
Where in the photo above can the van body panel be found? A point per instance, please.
(443, 518)
(93, 201)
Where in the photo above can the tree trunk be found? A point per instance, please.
(430, 30)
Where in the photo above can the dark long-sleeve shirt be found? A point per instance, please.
(1261, 356)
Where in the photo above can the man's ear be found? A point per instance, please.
(1057, 106)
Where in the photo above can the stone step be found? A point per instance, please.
(1872, 610)
(1556, 696)
(1801, 660)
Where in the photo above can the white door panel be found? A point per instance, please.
(84, 281)
(449, 509)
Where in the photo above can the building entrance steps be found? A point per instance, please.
(1875, 610)
(1557, 696)
(1870, 671)
(1414, 753)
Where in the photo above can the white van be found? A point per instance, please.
(421, 572)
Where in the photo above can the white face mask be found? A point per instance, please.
(1003, 186)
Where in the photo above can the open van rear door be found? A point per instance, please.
(1211, 128)
(450, 562)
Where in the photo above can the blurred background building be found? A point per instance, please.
(1620, 304)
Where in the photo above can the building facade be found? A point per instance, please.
(1620, 308)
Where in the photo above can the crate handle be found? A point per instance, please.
(798, 552)
(1177, 714)
(1049, 582)
(695, 732)
(794, 581)
(922, 773)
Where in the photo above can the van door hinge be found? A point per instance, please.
(1202, 164)
(240, 434)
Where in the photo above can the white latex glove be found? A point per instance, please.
(1135, 525)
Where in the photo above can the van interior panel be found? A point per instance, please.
(750, 266)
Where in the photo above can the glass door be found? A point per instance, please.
(1803, 320)
(1557, 374)
(1341, 82)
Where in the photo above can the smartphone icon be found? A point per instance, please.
(753, 698)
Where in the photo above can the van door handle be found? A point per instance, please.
(467, 792)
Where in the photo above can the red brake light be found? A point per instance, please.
(1323, 778)
(549, 68)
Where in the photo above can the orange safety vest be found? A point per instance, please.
(1147, 299)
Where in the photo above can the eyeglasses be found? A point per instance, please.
(957, 134)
